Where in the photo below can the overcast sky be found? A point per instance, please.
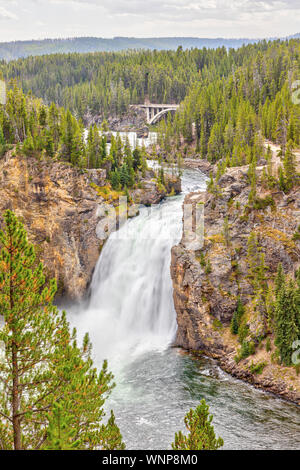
(35, 19)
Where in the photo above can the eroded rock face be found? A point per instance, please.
(150, 193)
(199, 164)
(60, 212)
(133, 120)
(65, 217)
(207, 282)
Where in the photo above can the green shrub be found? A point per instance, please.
(208, 267)
(296, 235)
(261, 204)
(201, 259)
(236, 318)
(217, 325)
(257, 368)
(246, 350)
(243, 331)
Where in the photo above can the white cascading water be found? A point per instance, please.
(131, 288)
(131, 321)
(131, 307)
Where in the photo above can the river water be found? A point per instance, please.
(133, 139)
(132, 322)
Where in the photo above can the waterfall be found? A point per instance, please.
(131, 321)
(131, 306)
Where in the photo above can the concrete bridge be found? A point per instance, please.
(156, 111)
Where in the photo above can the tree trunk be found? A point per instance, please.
(16, 402)
(15, 370)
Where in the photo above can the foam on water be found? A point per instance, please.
(131, 306)
(131, 321)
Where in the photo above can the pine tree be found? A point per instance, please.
(237, 316)
(68, 134)
(49, 146)
(119, 151)
(2, 142)
(61, 433)
(257, 273)
(201, 432)
(43, 116)
(104, 126)
(77, 152)
(161, 176)
(144, 167)
(280, 279)
(54, 125)
(226, 231)
(289, 165)
(136, 158)
(115, 180)
(42, 363)
(111, 436)
(281, 179)
(286, 317)
(252, 179)
(124, 176)
(28, 145)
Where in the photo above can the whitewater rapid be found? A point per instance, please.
(131, 321)
(131, 308)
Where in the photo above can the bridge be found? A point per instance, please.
(156, 111)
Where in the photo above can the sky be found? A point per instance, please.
(38, 19)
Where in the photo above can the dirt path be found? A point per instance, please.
(275, 149)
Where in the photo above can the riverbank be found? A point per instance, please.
(133, 325)
(207, 283)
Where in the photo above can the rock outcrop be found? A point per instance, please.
(66, 216)
(199, 164)
(133, 120)
(150, 193)
(207, 282)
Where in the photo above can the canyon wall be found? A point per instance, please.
(68, 214)
(208, 282)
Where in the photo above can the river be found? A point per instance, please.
(132, 321)
(134, 140)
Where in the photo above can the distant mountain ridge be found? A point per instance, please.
(21, 49)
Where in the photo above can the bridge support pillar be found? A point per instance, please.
(153, 110)
(148, 115)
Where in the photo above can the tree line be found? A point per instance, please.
(53, 132)
(104, 84)
(226, 118)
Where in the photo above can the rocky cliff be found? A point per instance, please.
(134, 120)
(208, 282)
(68, 214)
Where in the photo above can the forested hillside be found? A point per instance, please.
(227, 117)
(19, 49)
(232, 100)
(237, 298)
(104, 84)
(53, 132)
